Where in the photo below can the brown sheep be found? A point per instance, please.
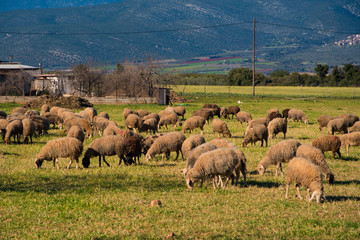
(233, 110)
(323, 120)
(243, 116)
(257, 133)
(328, 143)
(221, 127)
(180, 111)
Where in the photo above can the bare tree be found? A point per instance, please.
(18, 83)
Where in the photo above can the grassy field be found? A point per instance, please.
(114, 202)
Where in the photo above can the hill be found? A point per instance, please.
(109, 33)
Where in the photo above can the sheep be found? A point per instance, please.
(328, 143)
(218, 162)
(169, 109)
(76, 132)
(142, 113)
(195, 153)
(224, 112)
(104, 115)
(133, 149)
(92, 113)
(163, 113)
(213, 106)
(273, 113)
(276, 126)
(168, 119)
(42, 125)
(3, 124)
(307, 174)
(14, 128)
(28, 130)
(150, 124)
(190, 143)
(80, 122)
(258, 121)
(100, 123)
(297, 115)
(350, 119)
(180, 111)
(222, 143)
(233, 110)
(283, 151)
(44, 109)
(52, 118)
(147, 142)
(128, 111)
(350, 139)
(317, 157)
(105, 146)
(54, 109)
(165, 144)
(66, 147)
(64, 115)
(337, 125)
(19, 110)
(285, 113)
(256, 133)
(355, 127)
(84, 115)
(111, 129)
(3, 115)
(221, 127)
(243, 116)
(152, 115)
(30, 113)
(133, 121)
(323, 120)
(203, 113)
(194, 122)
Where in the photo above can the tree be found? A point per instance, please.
(243, 77)
(86, 80)
(337, 75)
(279, 73)
(321, 72)
(18, 83)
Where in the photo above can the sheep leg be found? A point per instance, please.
(226, 182)
(106, 161)
(214, 182)
(236, 177)
(284, 135)
(347, 150)
(287, 191)
(68, 167)
(57, 163)
(308, 194)
(298, 192)
(338, 152)
(99, 160)
(177, 155)
(77, 162)
(243, 171)
(54, 162)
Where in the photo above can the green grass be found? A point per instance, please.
(103, 203)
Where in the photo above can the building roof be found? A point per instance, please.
(14, 66)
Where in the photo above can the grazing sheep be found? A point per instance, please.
(297, 115)
(142, 113)
(28, 130)
(15, 129)
(133, 122)
(19, 110)
(150, 124)
(112, 129)
(92, 113)
(222, 143)
(53, 118)
(350, 139)
(42, 124)
(323, 120)
(104, 115)
(84, 115)
(337, 125)
(285, 113)
(80, 122)
(133, 149)
(224, 112)
(304, 173)
(243, 116)
(256, 133)
(233, 110)
(147, 142)
(152, 115)
(273, 113)
(44, 109)
(355, 127)
(100, 123)
(350, 119)
(169, 119)
(76, 132)
(54, 109)
(258, 121)
(105, 146)
(3, 115)
(67, 147)
(213, 106)
(195, 153)
(64, 115)
(221, 127)
(3, 124)
(218, 162)
(165, 144)
(283, 151)
(328, 143)
(317, 157)
(276, 126)
(30, 113)
(180, 111)
(127, 111)
(194, 122)
(190, 143)
(203, 113)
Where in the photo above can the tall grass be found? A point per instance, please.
(114, 202)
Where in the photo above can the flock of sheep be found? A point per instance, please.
(215, 159)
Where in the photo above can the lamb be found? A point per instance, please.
(104, 115)
(304, 173)
(257, 133)
(222, 143)
(169, 119)
(243, 116)
(167, 143)
(100, 123)
(213, 106)
(350, 139)
(297, 115)
(283, 151)
(67, 147)
(221, 127)
(44, 109)
(76, 132)
(80, 122)
(317, 157)
(52, 118)
(323, 120)
(133, 121)
(203, 113)
(28, 130)
(180, 111)
(15, 129)
(233, 110)
(273, 113)
(42, 125)
(150, 124)
(355, 127)
(105, 146)
(194, 122)
(224, 112)
(218, 162)
(190, 143)
(276, 126)
(350, 119)
(328, 143)
(195, 153)
(337, 125)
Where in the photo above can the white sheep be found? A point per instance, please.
(350, 139)
(165, 144)
(190, 143)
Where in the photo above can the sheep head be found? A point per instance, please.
(38, 163)
(261, 169)
(86, 162)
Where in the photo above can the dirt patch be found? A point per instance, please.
(175, 98)
(66, 102)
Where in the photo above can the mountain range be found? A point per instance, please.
(178, 29)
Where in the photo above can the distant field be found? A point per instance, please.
(114, 202)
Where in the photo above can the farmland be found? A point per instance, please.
(114, 202)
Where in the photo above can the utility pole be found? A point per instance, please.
(253, 70)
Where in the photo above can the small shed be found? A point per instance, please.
(164, 96)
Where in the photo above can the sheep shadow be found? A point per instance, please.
(341, 198)
(9, 153)
(347, 182)
(349, 159)
(263, 184)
